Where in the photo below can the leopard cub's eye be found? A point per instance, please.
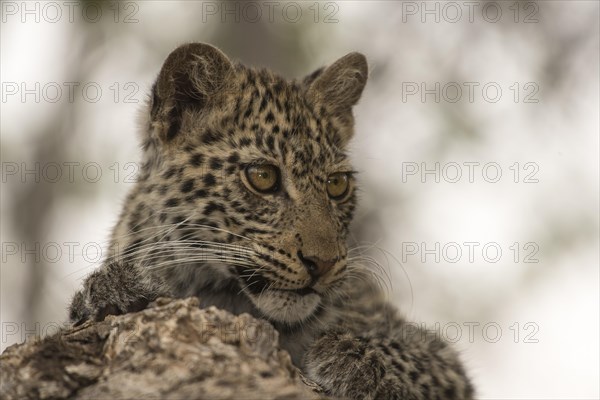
(338, 185)
(264, 178)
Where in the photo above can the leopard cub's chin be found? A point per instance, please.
(286, 306)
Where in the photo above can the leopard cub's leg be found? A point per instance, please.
(115, 288)
(373, 353)
(345, 365)
(356, 367)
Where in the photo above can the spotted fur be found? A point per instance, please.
(194, 225)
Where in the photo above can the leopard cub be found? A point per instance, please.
(244, 199)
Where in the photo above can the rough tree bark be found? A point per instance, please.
(171, 350)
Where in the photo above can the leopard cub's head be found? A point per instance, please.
(246, 175)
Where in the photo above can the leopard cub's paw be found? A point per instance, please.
(345, 365)
(116, 288)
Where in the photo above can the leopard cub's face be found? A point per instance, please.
(250, 175)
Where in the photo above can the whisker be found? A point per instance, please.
(361, 249)
(177, 262)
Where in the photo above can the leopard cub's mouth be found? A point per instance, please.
(257, 284)
(303, 291)
(279, 304)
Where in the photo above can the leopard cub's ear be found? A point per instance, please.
(339, 86)
(191, 79)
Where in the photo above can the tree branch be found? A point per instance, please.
(172, 350)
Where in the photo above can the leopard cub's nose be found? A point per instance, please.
(315, 266)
